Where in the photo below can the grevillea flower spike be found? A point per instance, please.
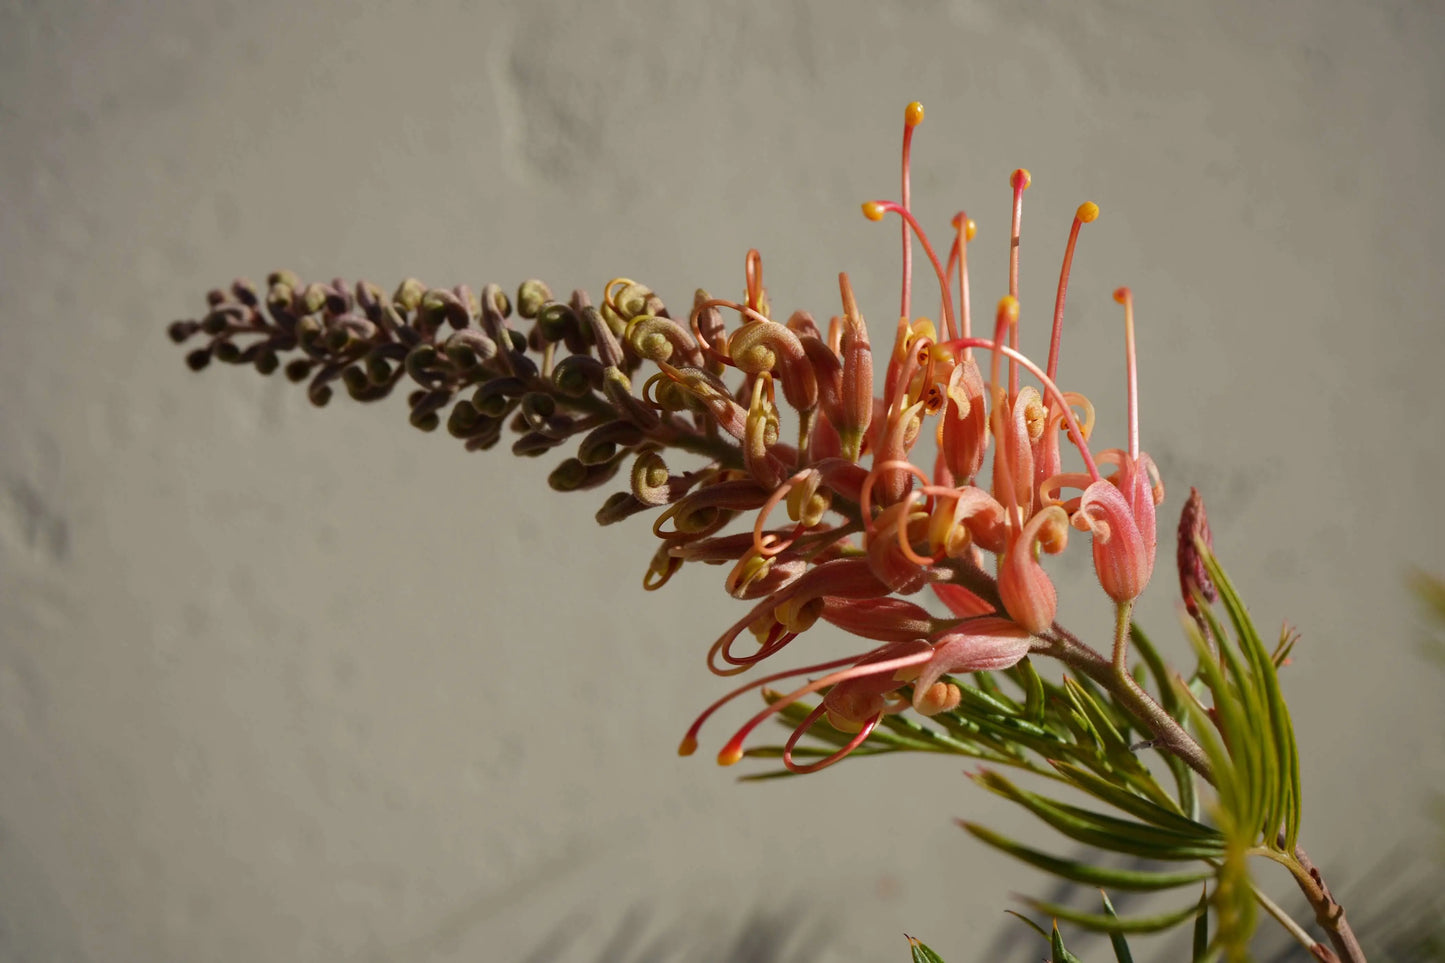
(809, 497)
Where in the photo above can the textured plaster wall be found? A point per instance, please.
(280, 684)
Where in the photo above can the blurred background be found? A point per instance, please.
(287, 684)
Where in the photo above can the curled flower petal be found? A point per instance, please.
(1123, 549)
(1027, 593)
(978, 645)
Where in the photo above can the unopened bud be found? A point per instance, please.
(1194, 580)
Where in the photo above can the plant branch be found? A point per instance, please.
(1329, 914)
(1167, 732)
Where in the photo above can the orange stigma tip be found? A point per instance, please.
(729, 755)
(1020, 179)
(1122, 295)
(687, 747)
(1008, 307)
(873, 211)
(1087, 212)
(913, 114)
(970, 228)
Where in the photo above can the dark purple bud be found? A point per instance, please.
(245, 292)
(198, 359)
(1194, 580)
(463, 420)
(179, 331)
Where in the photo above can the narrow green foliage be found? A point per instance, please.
(1033, 686)
(1201, 931)
(1088, 873)
(1110, 923)
(1108, 832)
(1116, 938)
(1277, 794)
(1060, 953)
(921, 952)
(1029, 923)
(1120, 798)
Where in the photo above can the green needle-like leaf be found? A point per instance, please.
(1060, 954)
(1029, 923)
(1107, 832)
(921, 952)
(1106, 923)
(1121, 798)
(1088, 873)
(1116, 939)
(1033, 683)
(1201, 930)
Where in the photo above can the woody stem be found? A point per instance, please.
(1115, 678)
(1329, 914)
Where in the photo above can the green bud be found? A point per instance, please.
(493, 398)
(308, 329)
(554, 320)
(531, 295)
(538, 407)
(279, 297)
(419, 362)
(425, 420)
(567, 476)
(313, 299)
(245, 292)
(356, 381)
(499, 300)
(227, 352)
(463, 420)
(338, 340)
(533, 443)
(283, 277)
(378, 371)
(577, 375)
(319, 394)
(619, 505)
(408, 295)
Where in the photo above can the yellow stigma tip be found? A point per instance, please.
(1008, 307)
(729, 756)
(1122, 295)
(687, 747)
(873, 211)
(1020, 179)
(1087, 212)
(964, 225)
(913, 114)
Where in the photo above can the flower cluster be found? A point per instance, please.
(839, 523)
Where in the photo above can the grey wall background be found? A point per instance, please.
(295, 685)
